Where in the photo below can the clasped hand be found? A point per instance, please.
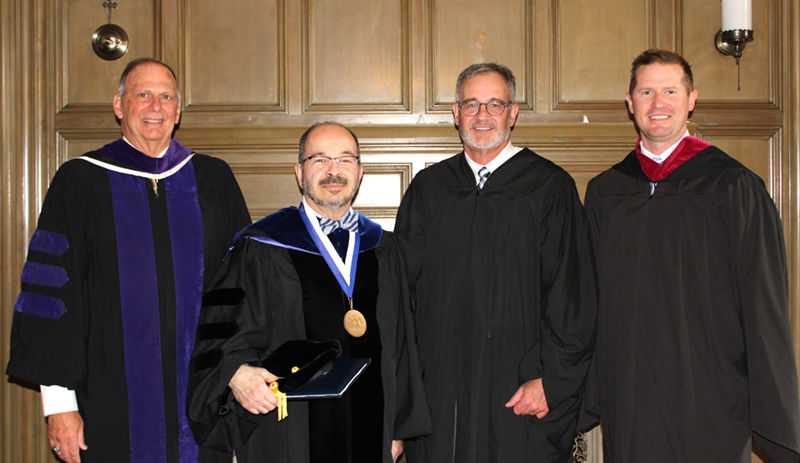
(250, 386)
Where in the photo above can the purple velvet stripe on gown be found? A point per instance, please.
(140, 318)
(186, 236)
(51, 243)
(37, 273)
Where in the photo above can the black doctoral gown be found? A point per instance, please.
(112, 288)
(274, 277)
(693, 352)
(504, 288)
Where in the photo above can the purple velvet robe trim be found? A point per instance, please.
(37, 273)
(49, 242)
(128, 156)
(140, 318)
(39, 305)
(186, 237)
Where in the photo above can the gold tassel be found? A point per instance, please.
(283, 406)
(283, 411)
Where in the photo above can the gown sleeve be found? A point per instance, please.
(411, 414)
(568, 298)
(410, 233)
(48, 334)
(589, 415)
(762, 282)
(232, 331)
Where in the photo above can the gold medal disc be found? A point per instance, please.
(354, 323)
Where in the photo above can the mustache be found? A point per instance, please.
(484, 122)
(333, 179)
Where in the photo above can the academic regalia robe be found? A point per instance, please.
(504, 289)
(693, 351)
(273, 278)
(112, 288)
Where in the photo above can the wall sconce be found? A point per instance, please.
(737, 30)
(110, 41)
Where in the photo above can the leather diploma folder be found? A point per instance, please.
(333, 383)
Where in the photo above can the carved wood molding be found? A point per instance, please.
(307, 58)
(525, 81)
(279, 107)
(402, 170)
(778, 182)
(559, 104)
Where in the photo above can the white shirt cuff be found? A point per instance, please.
(58, 399)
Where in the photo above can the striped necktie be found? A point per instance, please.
(483, 173)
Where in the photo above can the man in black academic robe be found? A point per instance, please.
(112, 287)
(693, 353)
(286, 280)
(502, 275)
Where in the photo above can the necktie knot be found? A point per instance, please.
(349, 222)
(483, 174)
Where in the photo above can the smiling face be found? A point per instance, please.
(149, 109)
(660, 104)
(329, 189)
(484, 135)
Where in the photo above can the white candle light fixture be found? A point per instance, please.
(737, 29)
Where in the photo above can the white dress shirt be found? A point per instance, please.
(507, 153)
(663, 156)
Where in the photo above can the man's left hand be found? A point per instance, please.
(529, 399)
(65, 435)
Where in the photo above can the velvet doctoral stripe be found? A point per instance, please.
(49, 242)
(140, 318)
(186, 237)
(37, 273)
(40, 305)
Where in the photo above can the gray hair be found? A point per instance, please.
(481, 68)
(134, 63)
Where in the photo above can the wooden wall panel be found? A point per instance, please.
(357, 62)
(463, 32)
(267, 187)
(755, 153)
(758, 148)
(255, 74)
(593, 54)
(383, 184)
(714, 73)
(235, 59)
(88, 79)
(74, 144)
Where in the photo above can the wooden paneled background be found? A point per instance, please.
(255, 73)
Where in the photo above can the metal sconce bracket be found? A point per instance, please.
(732, 43)
(110, 41)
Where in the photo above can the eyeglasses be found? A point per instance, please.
(320, 161)
(494, 107)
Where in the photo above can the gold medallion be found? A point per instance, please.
(354, 323)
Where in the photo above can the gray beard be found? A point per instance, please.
(328, 204)
(467, 139)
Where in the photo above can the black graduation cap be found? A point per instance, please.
(308, 369)
(298, 361)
